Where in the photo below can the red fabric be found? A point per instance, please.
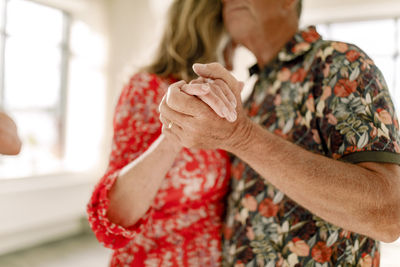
(182, 227)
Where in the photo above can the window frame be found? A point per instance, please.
(59, 111)
(2, 48)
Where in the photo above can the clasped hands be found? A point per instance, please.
(206, 113)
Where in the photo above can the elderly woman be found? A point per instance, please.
(160, 204)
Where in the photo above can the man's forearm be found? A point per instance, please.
(348, 195)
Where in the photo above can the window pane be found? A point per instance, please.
(34, 21)
(323, 29)
(386, 65)
(39, 155)
(32, 75)
(2, 12)
(374, 37)
(32, 83)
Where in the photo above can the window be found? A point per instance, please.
(380, 39)
(33, 69)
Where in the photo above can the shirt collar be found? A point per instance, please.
(300, 44)
(255, 69)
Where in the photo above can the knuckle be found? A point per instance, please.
(219, 82)
(186, 89)
(215, 98)
(161, 104)
(222, 84)
(170, 101)
(219, 69)
(162, 119)
(176, 85)
(161, 109)
(197, 80)
(214, 87)
(190, 89)
(215, 65)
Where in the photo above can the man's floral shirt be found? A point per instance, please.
(329, 98)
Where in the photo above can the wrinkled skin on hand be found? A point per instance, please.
(198, 118)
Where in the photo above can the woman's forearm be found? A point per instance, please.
(10, 144)
(139, 181)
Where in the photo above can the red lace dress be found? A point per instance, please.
(182, 226)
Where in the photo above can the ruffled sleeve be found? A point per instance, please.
(136, 127)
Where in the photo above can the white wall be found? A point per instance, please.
(131, 30)
(135, 28)
(319, 11)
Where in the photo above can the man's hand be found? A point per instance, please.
(216, 94)
(220, 98)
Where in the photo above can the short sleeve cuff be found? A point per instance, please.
(372, 156)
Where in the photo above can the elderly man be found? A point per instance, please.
(9, 140)
(315, 172)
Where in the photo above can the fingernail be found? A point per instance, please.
(233, 116)
(234, 103)
(225, 112)
(199, 66)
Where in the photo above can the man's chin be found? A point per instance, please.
(240, 30)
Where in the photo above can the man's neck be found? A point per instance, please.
(271, 43)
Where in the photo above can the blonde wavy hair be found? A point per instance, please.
(193, 33)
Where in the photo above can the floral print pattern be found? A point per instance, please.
(183, 225)
(329, 98)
